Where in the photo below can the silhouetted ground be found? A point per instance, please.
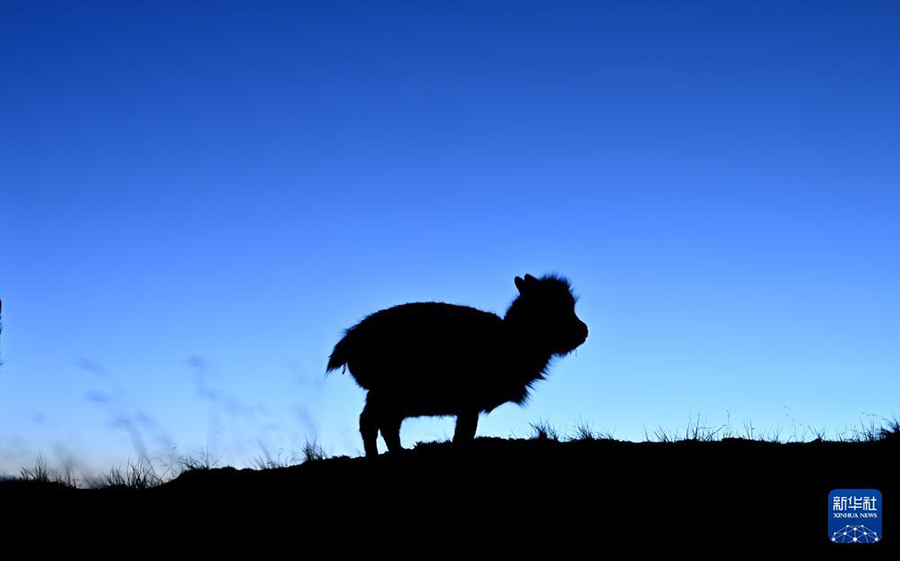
(732, 493)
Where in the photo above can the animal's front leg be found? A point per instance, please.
(390, 430)
(466, 424)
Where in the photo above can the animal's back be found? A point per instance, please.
(431, 346)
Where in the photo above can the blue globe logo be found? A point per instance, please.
(855, 534)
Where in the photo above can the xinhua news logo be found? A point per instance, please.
(854, 516)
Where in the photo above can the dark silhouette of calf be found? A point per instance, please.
(442, 359)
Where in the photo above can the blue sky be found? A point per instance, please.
(196, 199)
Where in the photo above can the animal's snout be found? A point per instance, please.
(583, 330)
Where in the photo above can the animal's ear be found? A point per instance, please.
(520, 284)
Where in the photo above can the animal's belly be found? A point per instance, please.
(436, 394)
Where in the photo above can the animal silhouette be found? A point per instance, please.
(442, 359)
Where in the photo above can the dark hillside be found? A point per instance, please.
(732, 492)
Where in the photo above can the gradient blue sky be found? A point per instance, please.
(195, 199)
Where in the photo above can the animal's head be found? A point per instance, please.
(544, 312)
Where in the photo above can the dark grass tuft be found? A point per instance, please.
(891, 430)
(41, 474)
(584, 432)
(543, 430)
(313, 451)
(138, 475)
(202, 461)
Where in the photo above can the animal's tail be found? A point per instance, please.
(341, 354)
(349, 350)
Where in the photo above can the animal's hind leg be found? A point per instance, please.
(368, 428)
